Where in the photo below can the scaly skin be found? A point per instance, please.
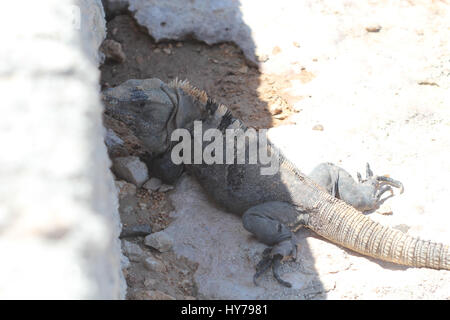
(272, 206)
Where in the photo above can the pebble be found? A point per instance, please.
(113, 51)
(112, 139)
(153, 184)
(125, 189)
(318, 127)
(276, 50)
(243, 69)
(132, 251)
(160, 241)
(165, 188)
(373, 28)
(141, 230)
(263, 58)
(130, 169)
(149, 282)
(154, 264)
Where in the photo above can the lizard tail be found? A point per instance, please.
(344, 225)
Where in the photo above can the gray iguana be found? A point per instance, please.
(272, 207)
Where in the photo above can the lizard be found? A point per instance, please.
(272, 206)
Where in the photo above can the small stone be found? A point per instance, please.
(156, 295)
(157, 50)
(263, 58)
(160, 241)
(179, 44)
(165, 188)
(124, 262)
(130, 169)
(112, 139)
(115, 144)
(142, 205)
(243, 69)
(276, 50)
(385, 210)
(149, 282)
(153, 264)
(113, 50)
(318, 127)
(276, 108)
(167, 51)
(402, 227)
(296, 44)
(132, 251)
(125, 189)
(153, 184)
(280, 116)
(373, 28)
(140, 60)
(142, 230)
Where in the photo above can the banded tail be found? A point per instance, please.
(344, 225)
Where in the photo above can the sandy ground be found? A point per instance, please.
(378, 97)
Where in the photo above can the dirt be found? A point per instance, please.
(223, 72)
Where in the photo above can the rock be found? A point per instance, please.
(112, 139)
(318, 127)
(136, 231)
(243, 69)
(153, 184)
(149, 282)
(130, 169)
(165, 188)
(124, 262)
(155, 295)
(113, 51)
(373, 28)
(132, 251)
(125, 189)
(276, 50)
(154, 264)
(402, 227)
(385, 209)
(212, 22)
(160, 241)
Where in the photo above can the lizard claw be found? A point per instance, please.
(265, 264)
(272, 257)
(391, 182)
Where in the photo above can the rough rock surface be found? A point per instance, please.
(132, 250)
(209, 21)
(58, 205)
(113, 51)
(160, 241)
